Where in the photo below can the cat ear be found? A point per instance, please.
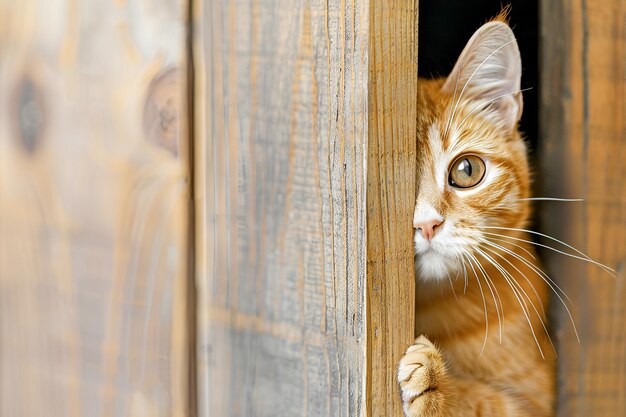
(489, 70)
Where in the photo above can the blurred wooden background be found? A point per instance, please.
(94, 200)
(205, 207)
(582, 151)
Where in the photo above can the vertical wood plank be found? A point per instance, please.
(280, 194)
(94, 197)
(391, 174)
(299, 110)
(583, 148)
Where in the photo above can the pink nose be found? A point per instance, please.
(428, 228)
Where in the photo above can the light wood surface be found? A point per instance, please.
(582, 153)
(280, 165)
(93, 208)
(305, 171)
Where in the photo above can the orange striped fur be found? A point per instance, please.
(482, 348)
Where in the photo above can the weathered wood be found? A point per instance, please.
(583, 149)
(93, 208)
(390, 197)
(281, 157)
(281, 148)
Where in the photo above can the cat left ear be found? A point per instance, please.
(489, 71)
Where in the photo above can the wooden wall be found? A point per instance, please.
(94, 191)
(583, 154)
(304, 153)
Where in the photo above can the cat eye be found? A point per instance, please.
(466, 171)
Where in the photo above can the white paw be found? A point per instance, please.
(420, 374)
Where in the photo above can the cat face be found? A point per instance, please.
(472, 166)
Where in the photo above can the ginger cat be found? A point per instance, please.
(484, 348)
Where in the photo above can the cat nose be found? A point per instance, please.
(428, 227)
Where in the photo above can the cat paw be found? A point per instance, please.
(420, 375)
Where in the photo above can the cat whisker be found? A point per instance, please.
(514, 267)
(583, 256)
(452, 286)
(482, 349)
(516, 293)
(470, 79)
(565, 200)
(464, 274)
(545, 278)
(497, 301)
(535, 268)
(541, 315)
(514, 244)
(506, 275)
(534, 233)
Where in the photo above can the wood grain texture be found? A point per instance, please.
(391, 175)
(583, 149)
(280, 166)
(93, 208)
(283, 129)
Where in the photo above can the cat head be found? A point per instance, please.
(472, 173)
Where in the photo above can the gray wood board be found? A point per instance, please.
(281, 139)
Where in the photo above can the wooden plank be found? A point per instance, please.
(93, 208)
(282, 141)
(391, 174)
(297, 110)
(583, 148)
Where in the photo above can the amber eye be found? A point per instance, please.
(466, 171)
